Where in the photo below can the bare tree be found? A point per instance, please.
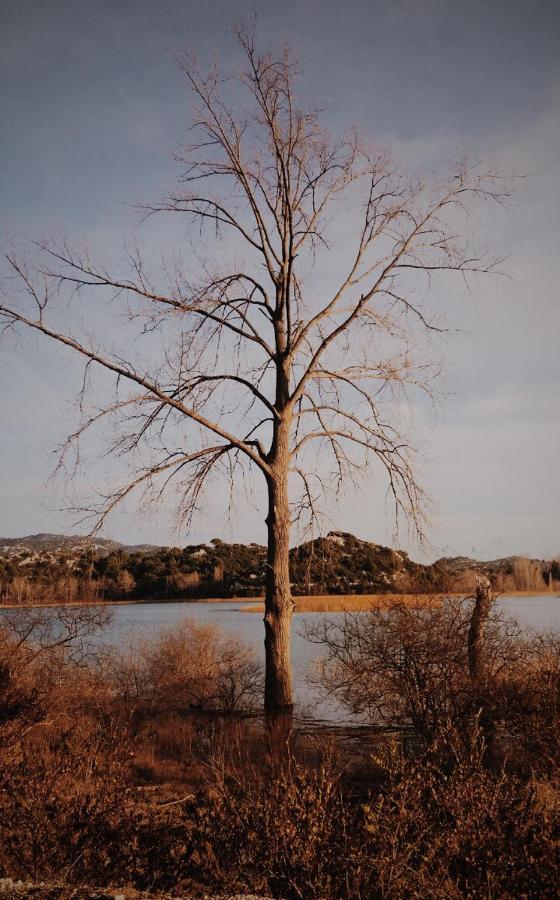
(481, 610)
(274, 366)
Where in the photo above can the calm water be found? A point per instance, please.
(137, 620)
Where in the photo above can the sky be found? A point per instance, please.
(92, 106)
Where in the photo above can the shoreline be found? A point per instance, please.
(256, 604)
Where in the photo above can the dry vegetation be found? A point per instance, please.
(353, 602)
(366, 602)
(149, 769)
(338, 565)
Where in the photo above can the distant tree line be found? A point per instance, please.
(337, 564)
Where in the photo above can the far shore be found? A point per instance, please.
(304, 603)
(365, 602)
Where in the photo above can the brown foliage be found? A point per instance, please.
(64, 790)
(175, 799)
(190, 666)
(283, 833)
(444, 826)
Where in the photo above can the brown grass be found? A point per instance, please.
(354, 602)
(365, 602)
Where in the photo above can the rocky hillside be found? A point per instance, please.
(53, 567)
(44, 543)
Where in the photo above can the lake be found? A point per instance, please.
(144, 620)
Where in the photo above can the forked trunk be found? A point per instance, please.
(279, 605)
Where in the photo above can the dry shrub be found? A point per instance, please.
(70, 814)
(63, 801)
(172, 737)
(441, 826)
(287, 833)
(165, 749)
(46, 656)
(407, 666)
(225, 810)
(526, 704)
(444, 826)
(188, 667)
(19, 699)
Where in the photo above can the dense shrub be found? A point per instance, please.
(445, 826)
(442, 826)
(63, 801)
(284, 833)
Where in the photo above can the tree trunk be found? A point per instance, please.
(475, 639)
(279, 605)
(480, 613)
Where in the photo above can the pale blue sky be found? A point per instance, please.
(91, 106)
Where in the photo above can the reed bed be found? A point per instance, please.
(354, 602)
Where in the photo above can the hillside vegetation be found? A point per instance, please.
(52, 568)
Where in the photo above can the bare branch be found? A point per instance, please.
(132, 376)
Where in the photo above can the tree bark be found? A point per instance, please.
(480, 613)
(279, 605)
(479, 618)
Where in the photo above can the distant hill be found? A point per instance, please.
(52, 567)
(505, 573)
(55, 543)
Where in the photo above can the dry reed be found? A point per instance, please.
(354, 602)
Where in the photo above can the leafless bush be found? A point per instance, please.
(407, 665)
(62, 800)
(43, 632)
(198, 804)
(189, 667)
(69, 813)
(527, 705)
(441, 825)
(444, 826)
(284, 832)
(38, 647)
